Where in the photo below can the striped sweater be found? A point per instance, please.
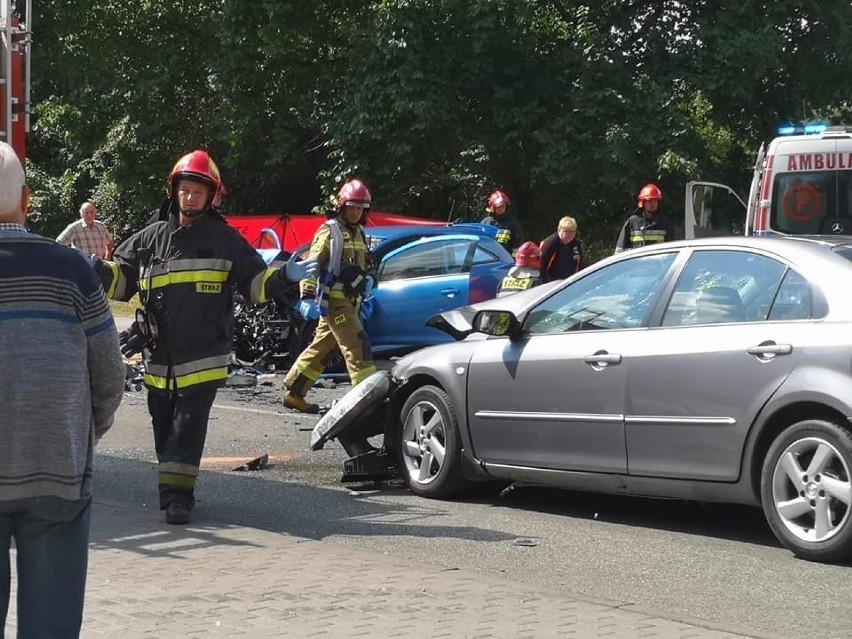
(61, 372)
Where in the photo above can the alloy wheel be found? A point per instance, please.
(811, 489)
(424, 442)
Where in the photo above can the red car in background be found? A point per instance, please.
(293, 231)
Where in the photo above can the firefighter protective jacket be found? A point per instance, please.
(186, 278)
(519, 278)
(353, 252)
(640, 231)
(509, 232)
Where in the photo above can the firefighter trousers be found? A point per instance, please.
(180, 429)
(341, 327)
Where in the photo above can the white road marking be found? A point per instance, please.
(249, 410)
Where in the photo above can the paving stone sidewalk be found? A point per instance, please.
(147, 579)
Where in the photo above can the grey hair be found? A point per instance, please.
(11, 180)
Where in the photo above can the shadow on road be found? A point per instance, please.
(724, 521)
(313, 512)
(252, 500)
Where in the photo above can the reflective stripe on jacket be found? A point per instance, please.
(640, 231)
(186, 277)
(509, 232)
(519, 278)
(353, 251)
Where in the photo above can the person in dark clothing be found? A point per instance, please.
(561, 252)
(61, 381)
(509, 232)
(186, 269)
(647, 226)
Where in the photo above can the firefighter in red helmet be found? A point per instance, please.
(340, 248)
(647, 226)
(526, 272)
(185, 269)
(509, 231)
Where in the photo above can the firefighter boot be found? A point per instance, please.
(177, 514)
(299, 403)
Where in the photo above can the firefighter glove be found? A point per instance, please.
(308, 309)
(296, 270)
(139, 336)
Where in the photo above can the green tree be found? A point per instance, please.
(569, 106)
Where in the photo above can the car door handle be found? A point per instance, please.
(602, 358)
(769, 349)
(449, 292)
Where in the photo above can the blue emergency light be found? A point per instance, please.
(811, 128)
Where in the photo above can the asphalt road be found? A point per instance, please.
(682, 560)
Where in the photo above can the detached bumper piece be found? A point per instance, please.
(367, 463)
(374, 465)
(359, 415)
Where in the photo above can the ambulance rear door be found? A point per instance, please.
(712, 209)
(811, 191)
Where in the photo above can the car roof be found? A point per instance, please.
(405, 230)
(380, 235)
(790, 245)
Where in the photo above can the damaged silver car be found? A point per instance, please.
(717, 369)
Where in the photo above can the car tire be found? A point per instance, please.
(806, 490)
(429, 445)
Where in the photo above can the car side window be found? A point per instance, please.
(617, 296)
(483, 256)
(719, 287)
(794, 299)
(426, 260)
(461, 253)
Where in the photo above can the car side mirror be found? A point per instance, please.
(496, 323)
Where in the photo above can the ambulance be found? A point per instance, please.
(802, 185)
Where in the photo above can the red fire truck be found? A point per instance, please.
(802, 185)
(15, 46)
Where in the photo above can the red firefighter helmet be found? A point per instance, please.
(528, 255)
(198, 166)
(649, 192)
(497, 198)
(354, 193)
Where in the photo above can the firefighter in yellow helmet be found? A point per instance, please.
(185, 268)
(340, 248)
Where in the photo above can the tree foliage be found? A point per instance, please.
(569, 106)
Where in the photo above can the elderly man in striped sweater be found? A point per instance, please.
(61, 381)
